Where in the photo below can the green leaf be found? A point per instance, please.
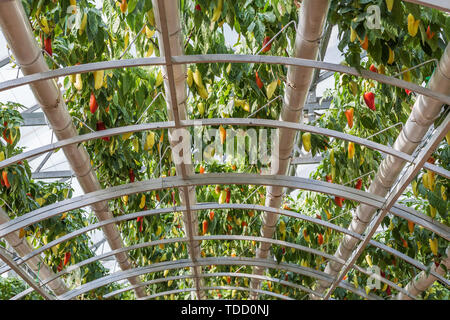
(251, 27)
(368, 123)
(414, 9)
(126, 83)
(376, 50)
(92, 25)
(132, 5)
(279, 254)
(438, 203)
(269, 17)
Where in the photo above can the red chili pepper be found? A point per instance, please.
(227, 200)
(198, 8)
(320, 239)
(266, 40)
(101, 126)
(131, 175)
(338, 201)
(349, 115)
(211, 215)
(60, 266)
(283, 251)
(318, 216)
(48, 46)
(259, 83)
(173, 198)
(369, 99)
(93, 105)
(329, 179)
(431, 160)
(405, 244)
(373, 68)
(244, 224)
(202, 170)
(67, 257)
(358, 184)
(430, 34)
(205, 226)
(388, 291)
(5, 179)
(141, 220)
(5, 136)
(408, 92)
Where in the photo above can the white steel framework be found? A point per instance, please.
(17, 31)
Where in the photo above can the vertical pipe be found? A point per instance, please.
(187, 195)
(423, 281)
(310, 27)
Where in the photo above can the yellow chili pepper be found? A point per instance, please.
(351, 150)
(391, 56)
(413, 25)
(389, 5)
(434, 245)
(353, 35)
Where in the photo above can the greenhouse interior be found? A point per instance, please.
(224, 150)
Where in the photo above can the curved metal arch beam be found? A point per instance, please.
(169, 182)
(304, 249)
(222, 58)
(315, 130)
(82, 68)
(194, 180)
(219, 121)
(288, 61)
(209, 206)
(206, 179)
(441, 5)
(164, 293)
(260, 277)
(209, 275)
(200, 206)
(8, 259)
(178, 264)
(199, 238)
(22, 294)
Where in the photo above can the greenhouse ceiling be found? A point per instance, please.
(245, 150)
